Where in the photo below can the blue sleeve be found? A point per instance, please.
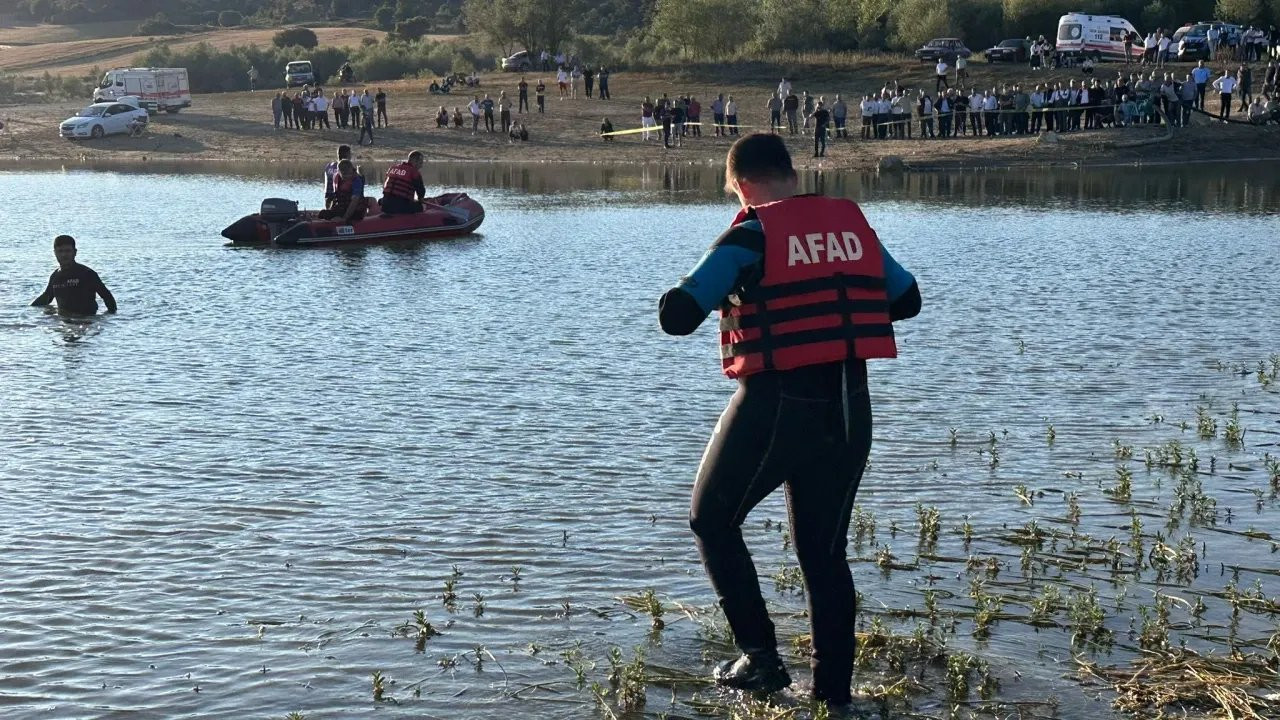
(716, 274)
(357, 186)
(897, 279)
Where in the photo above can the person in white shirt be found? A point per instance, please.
(962, 69)
(309, 106)
(975, 113)
(1225, 85)
(941, 71)
(731, 115)
(322, 111)
(990, 104)
(474, 107)
(1162, 49)
(1213, 36)
(868, 110)
(1149, 48)
(882, 116)
(784, 88)
(562, 79)
(574, 74)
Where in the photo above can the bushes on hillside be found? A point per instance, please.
(212, 70)
(298, 36)
(413, 28)
(230, 18)
(157, 25)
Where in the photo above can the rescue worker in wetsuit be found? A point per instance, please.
(344, 153)
(74, 286)
(348, 203)
(807, 295)
(403, 191)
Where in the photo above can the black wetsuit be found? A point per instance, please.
(76, 287)
(807, 428)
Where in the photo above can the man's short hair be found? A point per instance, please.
(416, 155)
(64, 240)
(344, 151)
(760, 157)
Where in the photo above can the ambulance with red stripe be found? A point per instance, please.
(1100, 37)
(157, 89)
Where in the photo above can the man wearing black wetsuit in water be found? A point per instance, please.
(807, 294)
(74, 286)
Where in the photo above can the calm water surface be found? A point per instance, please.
(224, 500)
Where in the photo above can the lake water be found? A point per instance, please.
(224, 500)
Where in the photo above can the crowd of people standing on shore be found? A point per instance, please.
(309, 109)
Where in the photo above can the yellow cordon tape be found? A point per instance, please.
(658, 128)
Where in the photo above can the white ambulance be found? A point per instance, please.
(158, 89)
(1100, 37)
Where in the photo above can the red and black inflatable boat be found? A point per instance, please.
(281, 223)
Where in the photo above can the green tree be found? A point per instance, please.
(413, 28)
(791, 25)
(912, 23)
(299, 36)
(1244, 12)
(703, 28)
(385, 18)
(531, 24)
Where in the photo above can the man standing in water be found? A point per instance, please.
(807, 294)
(72, 285)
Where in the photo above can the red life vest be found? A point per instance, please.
(821, 298)
(400, 181)
(343, 188)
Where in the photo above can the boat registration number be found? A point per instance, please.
(345, 230)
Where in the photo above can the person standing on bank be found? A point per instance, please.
(75, 287)
(801, 415)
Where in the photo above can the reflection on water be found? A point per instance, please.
(253, 475)
(1237, 187)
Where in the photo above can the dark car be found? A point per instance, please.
(1189, 42)
(1014, 50)
(938, 48)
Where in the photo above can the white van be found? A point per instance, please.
(157, 89)
(1096, 36)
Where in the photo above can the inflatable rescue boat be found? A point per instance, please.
(279, 222)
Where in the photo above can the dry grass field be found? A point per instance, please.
(77, 56)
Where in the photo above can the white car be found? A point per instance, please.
(121, 115)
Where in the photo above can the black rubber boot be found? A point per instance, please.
(759, 672)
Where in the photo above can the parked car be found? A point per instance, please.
(942, 47)
(299, 72)
(104, 118)
(1193, 38)
(1012, 50)
(519, 62)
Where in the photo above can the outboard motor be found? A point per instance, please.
(278, 210)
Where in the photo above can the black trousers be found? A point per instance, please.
(523, 105)
(808, 430)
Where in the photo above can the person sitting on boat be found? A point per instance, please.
(344, 153)
(348, 203)
(404, 191)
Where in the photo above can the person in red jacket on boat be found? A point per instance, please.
(404, 191)
(807, 295)
(347, 203)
